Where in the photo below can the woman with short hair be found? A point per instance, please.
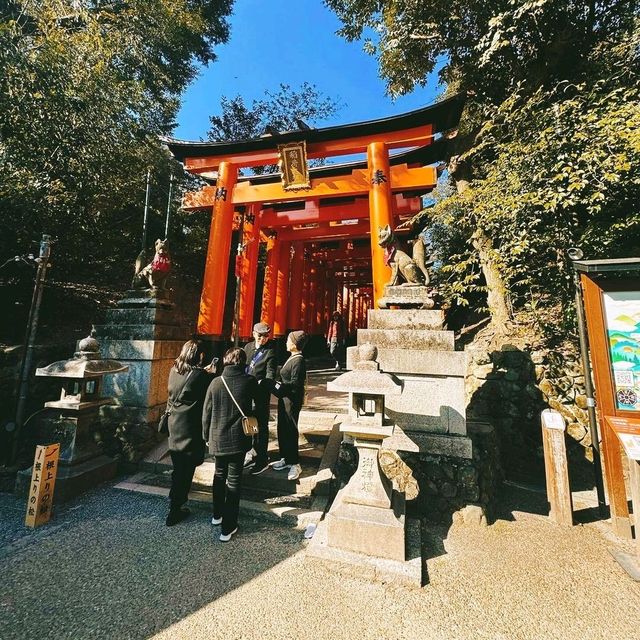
(290, 393)
(187, 385)
(222, 429)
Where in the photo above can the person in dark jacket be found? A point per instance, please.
(188, 382)
(222, 429)
(290, 393)
(261, 363)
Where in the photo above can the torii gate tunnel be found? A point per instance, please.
(321, 240)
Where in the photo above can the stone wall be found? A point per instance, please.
(510, 387)
(437, 486)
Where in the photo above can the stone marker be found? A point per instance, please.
(43, 481)
(555, 467)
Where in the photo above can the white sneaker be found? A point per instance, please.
(228, 536)
(216, 521)
(280, 465)
(294, 472)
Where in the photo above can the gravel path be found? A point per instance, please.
(107, 567)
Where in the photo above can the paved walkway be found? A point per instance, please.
(107, 567)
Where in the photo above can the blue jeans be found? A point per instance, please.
(227, 482)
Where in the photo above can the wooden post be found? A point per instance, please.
(269, 290)
(555, 468)
(249, 271)
(214, 286)
(282, 290)
(294, 305)
(634, 484)
(380, 213)
(313, 300)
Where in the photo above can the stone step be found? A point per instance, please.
(296, 510)
(415, 339)
(434, 363)
(405, 319)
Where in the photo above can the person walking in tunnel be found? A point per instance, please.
(336, 337)
(261, 364)
(187, 386)
(290, 393)
(228, 398)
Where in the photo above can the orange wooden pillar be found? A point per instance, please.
(269, 289)
(352, 310)
(380, 213)
(294, 304)
(339, 299)
(214, 286)
(282, 290)
(304, 307)
(313, 300)
(251, 240)
(346, 310)
(320, 299)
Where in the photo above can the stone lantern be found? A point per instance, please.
(73, 419)
(367, 516)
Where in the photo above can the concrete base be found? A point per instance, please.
(628, 562)
(406, 573)
(371, 531)
(74, 480)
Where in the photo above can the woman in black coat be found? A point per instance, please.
(290, 393)
(188, 382)
(222, 429)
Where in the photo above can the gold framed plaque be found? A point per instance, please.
(293, 166)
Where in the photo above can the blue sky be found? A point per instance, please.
(291, 41)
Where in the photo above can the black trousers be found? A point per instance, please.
(288, 412)
(227, 483)
(184, 466)
(261, 440)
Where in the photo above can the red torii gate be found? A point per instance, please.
(343, 202)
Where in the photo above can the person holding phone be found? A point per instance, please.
(261, 364)
(187, 385)
(228, 397)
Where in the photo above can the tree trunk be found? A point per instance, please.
(496, 287)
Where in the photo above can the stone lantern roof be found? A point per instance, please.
(366, 377)
(86, 363)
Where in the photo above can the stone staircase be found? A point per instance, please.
(269, 494)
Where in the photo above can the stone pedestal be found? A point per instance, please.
(141, 332)
(407, 296)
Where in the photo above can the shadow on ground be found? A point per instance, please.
(107, 566)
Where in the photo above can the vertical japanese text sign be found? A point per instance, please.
(43, 480)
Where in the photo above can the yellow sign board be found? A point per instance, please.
(43, 480)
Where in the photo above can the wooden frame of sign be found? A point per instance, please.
(613, 391)
(293, 166)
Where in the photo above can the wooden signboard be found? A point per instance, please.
(43, 480)
(612, 310)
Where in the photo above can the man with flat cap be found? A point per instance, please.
(261, 363)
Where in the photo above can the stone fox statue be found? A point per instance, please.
(154, 274)
(412, 270)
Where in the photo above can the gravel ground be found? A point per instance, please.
(107, 567)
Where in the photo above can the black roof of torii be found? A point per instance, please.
(443, 116)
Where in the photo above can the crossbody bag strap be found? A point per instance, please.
(232, 397)
(170, 405)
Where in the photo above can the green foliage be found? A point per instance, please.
(282, 110)
(549, 141)
(86, 90)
